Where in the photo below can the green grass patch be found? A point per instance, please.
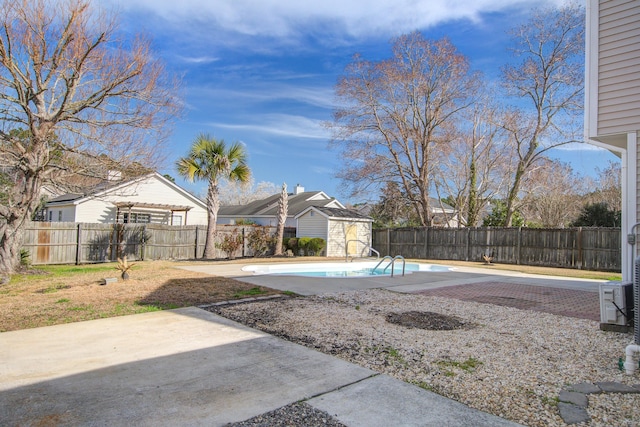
(63, 300)
(80, 308)
(65, 270)
(256, 290)
(289, 293)
(468, 365)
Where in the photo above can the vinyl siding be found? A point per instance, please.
(312, 224)
(618, 67)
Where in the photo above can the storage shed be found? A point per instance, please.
(346, 232)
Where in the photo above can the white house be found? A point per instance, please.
(345, 231)
(265, 211)
(612, 100)
(150, 198)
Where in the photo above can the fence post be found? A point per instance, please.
(388, 241)
(468, 245)
(143, 239)
(79, 244)
(579, 248)
(195, 252)
(426, 242)
(519, 246)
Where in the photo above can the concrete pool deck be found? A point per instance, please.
(410, 283)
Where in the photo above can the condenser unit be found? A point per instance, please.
(616, 304)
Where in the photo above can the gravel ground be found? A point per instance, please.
(509, 362)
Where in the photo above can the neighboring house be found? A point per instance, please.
(612, 99)
(346, 232)
(147, 199)
(313, 214)
(442, 214)
(265, 211)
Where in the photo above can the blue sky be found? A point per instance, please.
(262, 72)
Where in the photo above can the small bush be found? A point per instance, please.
(25, 258)
(292, 244)
(311, 245)
(260, 241)
(230, 243)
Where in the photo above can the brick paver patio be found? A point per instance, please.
(565, 302)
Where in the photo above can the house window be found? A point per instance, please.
(59, 216)
(136, 218)
(176, 220)
(50, 216)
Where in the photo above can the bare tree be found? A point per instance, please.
(548, 86)
(283, 207)
(553, 194)
(473, 171)
(608, 187)
(395, 115)
(82, 97)
(242, 193)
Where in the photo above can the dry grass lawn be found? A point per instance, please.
(62, 294)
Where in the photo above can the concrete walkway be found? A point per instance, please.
(191, 367)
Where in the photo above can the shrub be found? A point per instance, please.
(25, 258)
(230, 243)
(260, 241)
(311, 245)
(292, 243)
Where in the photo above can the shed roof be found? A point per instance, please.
(337, 213)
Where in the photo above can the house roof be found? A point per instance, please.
(337, 213)
(269, 206)
(74, 198)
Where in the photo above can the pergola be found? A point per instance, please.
(128, 206)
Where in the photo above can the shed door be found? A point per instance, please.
(352, 234)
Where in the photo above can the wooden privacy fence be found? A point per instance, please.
(80, 243)
(580, 248)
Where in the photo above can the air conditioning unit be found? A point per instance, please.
(616, 306)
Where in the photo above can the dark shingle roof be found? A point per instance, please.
(341, 213)
(269, 206)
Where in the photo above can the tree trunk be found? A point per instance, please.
(283, 207)
(213, 205)
(10, 243)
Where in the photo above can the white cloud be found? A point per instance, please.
(579, 146)
(286, 19)
(197, 59)
(282, 125)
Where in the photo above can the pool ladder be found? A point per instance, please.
(392, 261)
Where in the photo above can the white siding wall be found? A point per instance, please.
(619, 67)
(150, 190)
(61, 214)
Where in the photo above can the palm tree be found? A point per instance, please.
(283, 207)
(210, 159)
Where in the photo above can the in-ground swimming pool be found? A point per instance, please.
(341, 269)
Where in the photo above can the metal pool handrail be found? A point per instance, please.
(392, 261)
(367, 245)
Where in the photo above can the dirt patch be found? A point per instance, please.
(427, 320)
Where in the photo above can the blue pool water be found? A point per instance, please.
(341, 269)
